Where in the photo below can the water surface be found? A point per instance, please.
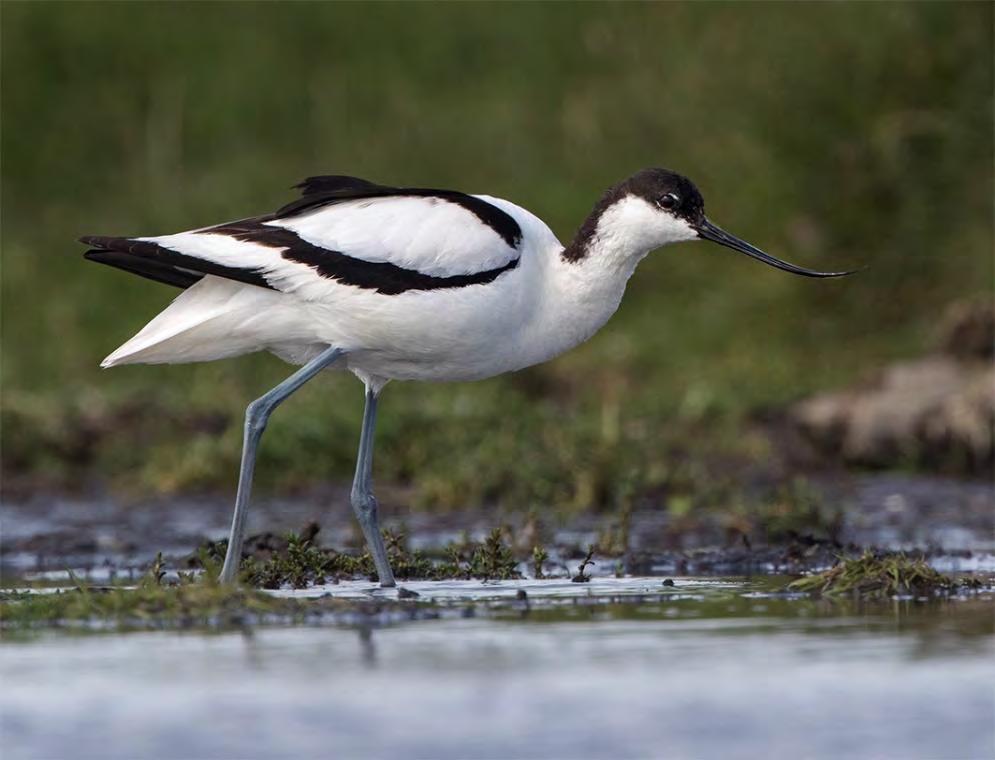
(614, 668)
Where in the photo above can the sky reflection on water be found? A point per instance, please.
(717, 674)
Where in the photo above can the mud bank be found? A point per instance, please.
(949, 520)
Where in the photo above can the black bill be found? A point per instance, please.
(708, 231)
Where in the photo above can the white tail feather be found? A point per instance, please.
(213, 319)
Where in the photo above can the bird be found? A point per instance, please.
(398, 283)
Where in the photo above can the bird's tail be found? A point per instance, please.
(213, 319)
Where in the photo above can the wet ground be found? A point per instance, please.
(953, 520)
(673, 659)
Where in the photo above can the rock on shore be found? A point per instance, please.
(937, 412)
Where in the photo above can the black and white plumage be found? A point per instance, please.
(346, 247)
(400, 283)
(372, 222)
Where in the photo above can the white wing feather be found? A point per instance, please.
(427, 235)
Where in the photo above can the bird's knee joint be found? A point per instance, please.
(364, 503)
(257, 415)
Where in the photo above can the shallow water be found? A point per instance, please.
(613, 668)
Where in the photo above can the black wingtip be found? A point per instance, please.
(143, 267)
(107, 242)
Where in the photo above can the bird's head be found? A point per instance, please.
(655, 207)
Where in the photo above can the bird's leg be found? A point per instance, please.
(363, 502)
(256, 416)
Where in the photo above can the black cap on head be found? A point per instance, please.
(668, 190)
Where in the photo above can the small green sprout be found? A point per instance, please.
(539, 558)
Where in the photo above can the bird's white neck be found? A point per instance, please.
(621, 231)
(587, 278)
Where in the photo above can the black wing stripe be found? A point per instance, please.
(128, 248)
(149, 259)
(156, 262)
(383, 277)
(323, 191)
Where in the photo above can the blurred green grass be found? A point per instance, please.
(833, 135)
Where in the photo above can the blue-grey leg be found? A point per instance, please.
(256, 416)
(364, 504)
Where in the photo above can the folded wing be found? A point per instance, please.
(343, 231)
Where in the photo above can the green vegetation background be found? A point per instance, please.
(833, 135)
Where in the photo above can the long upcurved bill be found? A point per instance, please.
(708, 231)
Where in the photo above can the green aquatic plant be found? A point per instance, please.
(495, 559)
(875, 576)
(539, 558)
(301, 563)
(491, 560)
(156, 572)
(152, 603)
(297, 561)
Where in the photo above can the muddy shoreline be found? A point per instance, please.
(952, 521)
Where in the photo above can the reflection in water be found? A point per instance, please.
(254, 659)
(700, 669)
(366, 646)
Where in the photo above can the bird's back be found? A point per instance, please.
(414, 283)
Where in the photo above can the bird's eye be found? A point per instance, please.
(670, 201)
